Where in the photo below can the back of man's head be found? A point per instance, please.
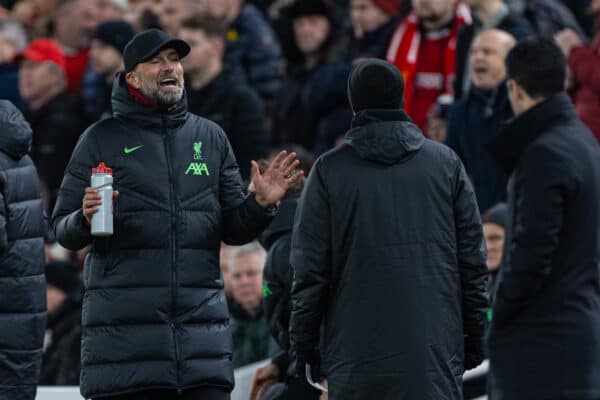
(376, 84)
(538, 66)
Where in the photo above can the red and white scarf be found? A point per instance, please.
(404, 50)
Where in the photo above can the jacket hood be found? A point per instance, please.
(124, 106)
(384, 136)
(16, 136)
(282, 223)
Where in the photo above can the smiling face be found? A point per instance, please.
(160, 78)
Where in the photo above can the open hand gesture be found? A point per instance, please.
(272, 185)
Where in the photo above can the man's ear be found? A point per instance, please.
(132, 79)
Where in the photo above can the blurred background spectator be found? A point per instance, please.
(495, 220)
(476, 118)
(424, 50)
(487, 14)
(584, 71)
(106, 57)
(252, 341)
(54, 116)
(13, 41)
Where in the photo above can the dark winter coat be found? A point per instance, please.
(9, 84)
(154, 311)
(252, 341)
(62, 358)
(22, 282)
(253, 45)
(472, 123)
(326, 93)
(544, 340)
(238, 110)
(56, 128)
(293, 122)
(512, 23)
(278, 273)
(547, 17)
(388, 253)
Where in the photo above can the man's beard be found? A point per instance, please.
(163, 98)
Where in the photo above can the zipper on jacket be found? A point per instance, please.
(173, 247)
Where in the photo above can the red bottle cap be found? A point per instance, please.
(102, 169)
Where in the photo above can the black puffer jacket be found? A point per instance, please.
(388, 251)
(22, 282)
(154, 311)
(544, 340)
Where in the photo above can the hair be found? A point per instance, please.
(211, 27)
(539, 66)
(13, 31)
(249, 248)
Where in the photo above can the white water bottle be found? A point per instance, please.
(102, 220)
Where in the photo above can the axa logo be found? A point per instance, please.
(197, 168)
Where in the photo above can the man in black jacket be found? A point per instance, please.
(544, 337)
(388, 254)
(155, 317)
(22, 283)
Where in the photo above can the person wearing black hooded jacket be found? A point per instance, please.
(388, 254)
(22, 283)
(155, 318)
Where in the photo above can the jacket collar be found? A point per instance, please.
(510, 143)
(126, 107)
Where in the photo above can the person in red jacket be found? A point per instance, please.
(584, 68)
(423, 48)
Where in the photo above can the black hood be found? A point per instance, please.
(125, 106)
(16, 136)
(282, 223)
(384, 136)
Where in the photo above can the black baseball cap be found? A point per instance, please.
(147, 44)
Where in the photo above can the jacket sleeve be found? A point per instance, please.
(242, 218)
(277, 278)
(540, 188)
(3, 233)
(585, 65)
(311, 260)
(67, 218)
(471, 255)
